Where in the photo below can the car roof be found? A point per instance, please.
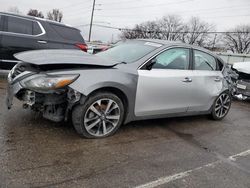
(168, 43)
(36, 18)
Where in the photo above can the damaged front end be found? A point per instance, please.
(47, 93)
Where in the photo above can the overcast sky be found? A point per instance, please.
(224, 14)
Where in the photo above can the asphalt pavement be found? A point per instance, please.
(174, 152)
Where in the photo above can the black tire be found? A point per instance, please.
(79, 114)
(214, 113)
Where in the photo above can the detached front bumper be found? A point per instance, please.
(12, 90)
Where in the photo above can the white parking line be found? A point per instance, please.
(167, 179)
(242, 154)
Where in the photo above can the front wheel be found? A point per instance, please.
(221, 106)
(100, 116)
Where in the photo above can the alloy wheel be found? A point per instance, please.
(102, 117)
(222, 105)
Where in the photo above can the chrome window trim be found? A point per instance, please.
(10, 61)
(165, 49)
(22, 34)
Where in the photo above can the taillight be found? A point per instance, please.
(82, 47)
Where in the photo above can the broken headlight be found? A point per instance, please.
(48, 82)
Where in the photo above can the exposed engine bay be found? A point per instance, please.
(53, 106)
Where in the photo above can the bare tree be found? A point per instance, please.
(238, 39)
(127, 34)
(55, 15)
(36, 13)
(167, 28)
(150, 29)
(14, 10)
(196, 32)
(171, 27)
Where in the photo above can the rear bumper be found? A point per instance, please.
(12, 90)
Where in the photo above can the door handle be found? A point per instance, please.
(42, 41)
(217, 79)
(187, 79)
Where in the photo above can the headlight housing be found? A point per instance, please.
(49, 82)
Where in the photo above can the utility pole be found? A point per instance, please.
(214, 41)
(91, 21)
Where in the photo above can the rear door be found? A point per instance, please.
(19, 35)
(165, 89)
(207, 81)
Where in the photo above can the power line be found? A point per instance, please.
(73, 5)
(141, 21)
(228, 16)
(198, 10)
(119, 2)
(79, 9)
(144, 6)
(153, 31)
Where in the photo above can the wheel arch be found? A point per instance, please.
(120, 92)
(117, 91)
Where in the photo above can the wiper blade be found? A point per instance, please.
(123, 62)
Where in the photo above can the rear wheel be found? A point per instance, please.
(221, 106)
(100, 116)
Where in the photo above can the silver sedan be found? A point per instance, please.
(135, 80)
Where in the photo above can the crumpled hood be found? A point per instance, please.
(76, 57)
(242, 67)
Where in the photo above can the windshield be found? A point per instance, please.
(130, 51)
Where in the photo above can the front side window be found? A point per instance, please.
(18, 25)
(175, 58)
(204, 61)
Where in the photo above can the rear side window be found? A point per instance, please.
(36, 29)
(204, 61)
(67, 33)
(18, 25)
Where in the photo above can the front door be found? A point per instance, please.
(165, 88)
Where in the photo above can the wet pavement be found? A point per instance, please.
(173, 152)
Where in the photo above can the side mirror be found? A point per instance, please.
(151, 64)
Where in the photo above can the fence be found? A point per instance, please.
(233, 58)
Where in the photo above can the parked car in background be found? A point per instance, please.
(135, 80)
(21, 33)
(96, 48)
(243, 82)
